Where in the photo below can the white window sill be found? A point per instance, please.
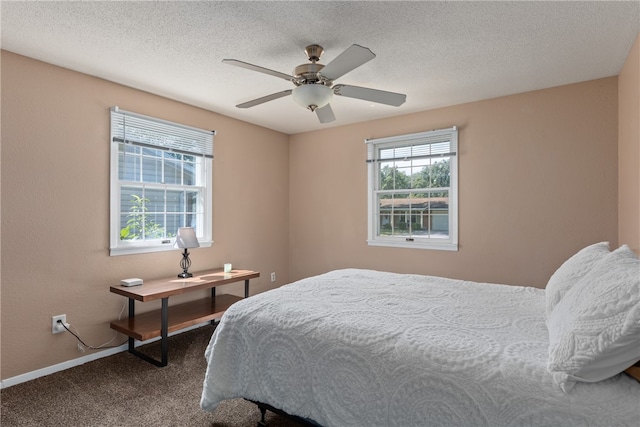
(150, 248)
(398, 243)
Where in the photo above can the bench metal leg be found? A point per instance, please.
(164, 335)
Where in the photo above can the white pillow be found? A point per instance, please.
(569, 273)
(594, 331)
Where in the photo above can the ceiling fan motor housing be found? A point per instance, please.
(308, 74)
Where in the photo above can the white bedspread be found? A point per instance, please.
(366, 348)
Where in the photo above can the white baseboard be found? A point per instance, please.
(18, 379)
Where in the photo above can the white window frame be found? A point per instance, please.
(173, 137)
(374, 146)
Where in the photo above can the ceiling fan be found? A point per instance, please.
(314, 82)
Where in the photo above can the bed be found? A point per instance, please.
(356, 347)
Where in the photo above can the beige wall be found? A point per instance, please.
(537, 181)
(629, 150)
(55, 216)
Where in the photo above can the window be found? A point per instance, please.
(161, 179)
(413, 190)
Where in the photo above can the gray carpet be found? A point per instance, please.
(123, 390)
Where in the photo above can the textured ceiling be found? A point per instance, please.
(438, 53)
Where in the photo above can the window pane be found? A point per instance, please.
(402, 152)
(393, 177)
(385, 176)
(175, 201)
(414, 173)
(439, 214)
(129, 168)
(154, 226)
(132, 213)
(135, 220)
(152, 152)
(128, 162)
(440, 173)
(411, 214)
(417, 176)
(440, 147)
(189, 172)
(191, 220)
(384, 223)
(440, 226)
(130, 227)
(400, 227)
(172, 168)
(386, 153)
(192, 201)
(174, 221)
(392, 217)
(130, 149)
(195, 219)
(403, 175)
(151, 169)
(128, 198)
(155, 201)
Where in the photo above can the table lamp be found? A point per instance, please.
(186, 238)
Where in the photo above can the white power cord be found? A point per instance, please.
(82, 346)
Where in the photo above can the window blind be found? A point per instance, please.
(423, 145)
(140, 130)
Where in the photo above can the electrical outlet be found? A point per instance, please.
(56, 328)
(273, 277)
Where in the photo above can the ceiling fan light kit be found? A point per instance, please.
(313, 82)
(312, 96)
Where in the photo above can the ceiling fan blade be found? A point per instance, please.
(264, 99)
(348, 60)
(257, 68)
(325, 114)
(373, 95)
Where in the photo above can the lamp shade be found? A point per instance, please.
(312, 96)
(186, 238)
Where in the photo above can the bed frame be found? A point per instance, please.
(266, 407)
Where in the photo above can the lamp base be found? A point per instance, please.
(185, 263)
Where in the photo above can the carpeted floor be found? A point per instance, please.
(123, 390)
